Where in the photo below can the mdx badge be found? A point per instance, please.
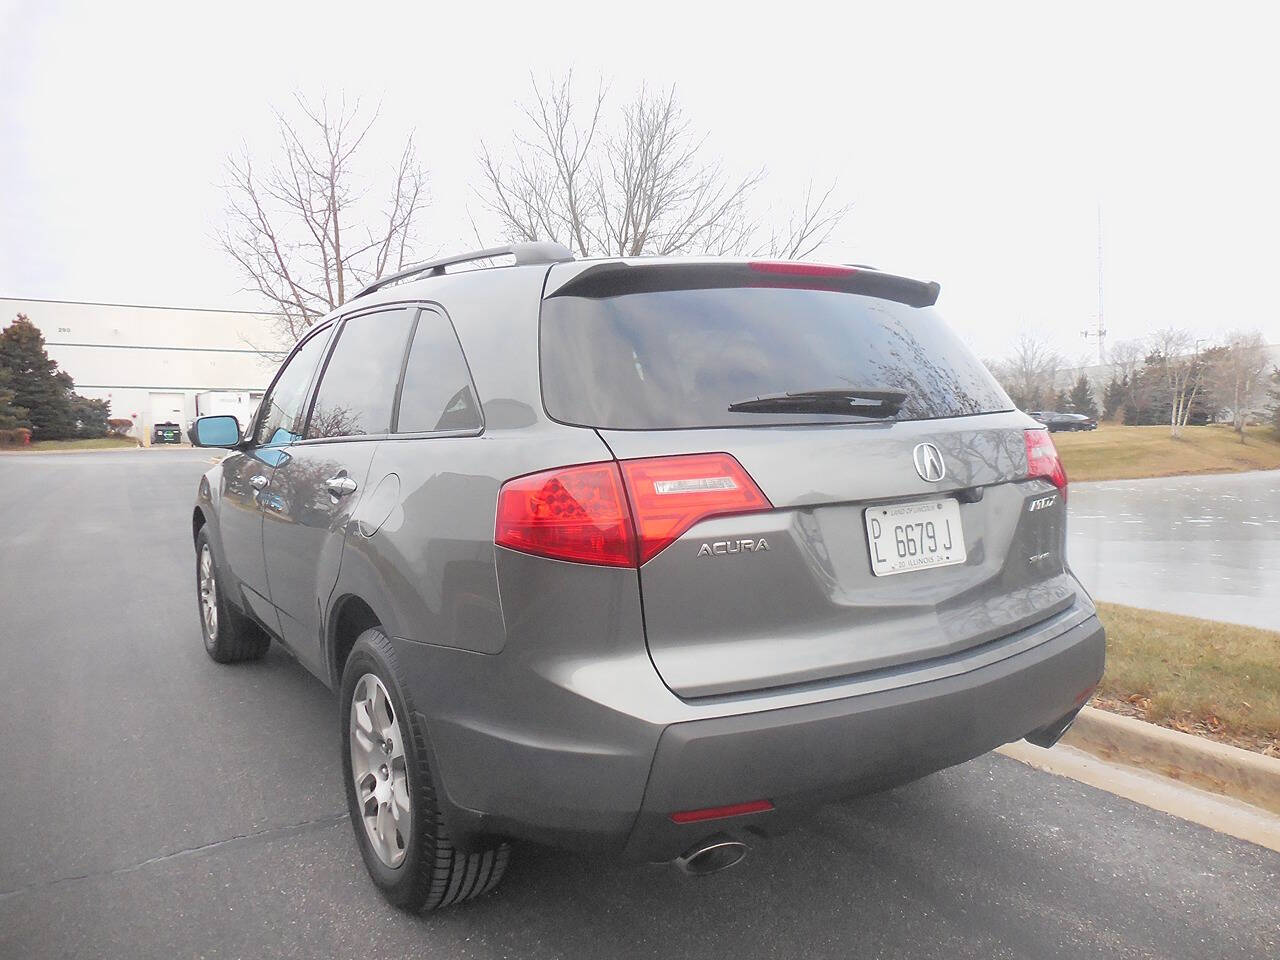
(928, 460)
(720, 548)
(1043, 502)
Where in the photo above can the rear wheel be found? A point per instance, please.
(229, 635)
(391, 795)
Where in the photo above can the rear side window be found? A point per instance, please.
(679, 358)
(358, 385)
(437, 395)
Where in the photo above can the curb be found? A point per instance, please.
(88, 450)
(67, 453)
(1216, 767)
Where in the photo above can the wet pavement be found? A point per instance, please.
(156, 804)
(1205, 546)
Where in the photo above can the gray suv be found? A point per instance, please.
(647, 557)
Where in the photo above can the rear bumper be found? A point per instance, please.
(605, 774)
(803, 756)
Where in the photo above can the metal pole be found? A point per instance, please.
(1102, 330)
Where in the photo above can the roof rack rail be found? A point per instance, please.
(524, 253)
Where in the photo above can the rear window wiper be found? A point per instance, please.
(839, 400)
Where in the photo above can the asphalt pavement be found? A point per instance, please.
(155, 804)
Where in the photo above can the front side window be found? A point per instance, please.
(358, 385)
(437, 395)
(284, 407)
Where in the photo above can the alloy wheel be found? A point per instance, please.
(208, 594)
(379, 769)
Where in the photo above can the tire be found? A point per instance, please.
(423, 871)
(229, 635)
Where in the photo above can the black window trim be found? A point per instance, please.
(395, 434)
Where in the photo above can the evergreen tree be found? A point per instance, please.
(1150, 400)
(1062, 402)
(1081, 398)
(1114, 396)
(90, 416)
(37, 383)
(12, 416)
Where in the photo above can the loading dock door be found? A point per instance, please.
(168, 408)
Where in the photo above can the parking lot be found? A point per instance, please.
(154, 804)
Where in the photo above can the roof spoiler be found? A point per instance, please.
(619, 278)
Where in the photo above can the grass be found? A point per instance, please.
(1199, 676)
(1114, 452)
(96, 443)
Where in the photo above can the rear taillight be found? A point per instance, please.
(670, 494)
(620, 514)
(1043, 460)
(574, 513)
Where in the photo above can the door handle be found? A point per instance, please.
(259, 482)
(340, 486)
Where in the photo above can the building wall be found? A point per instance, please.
(132, 355)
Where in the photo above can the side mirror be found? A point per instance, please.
(220, 431)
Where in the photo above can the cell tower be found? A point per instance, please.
(1100, 333)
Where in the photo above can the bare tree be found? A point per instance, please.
(304, 230)
(1174, 351)
(1030, 373)
(1127, 358)
(641, 184)
(1238, 376)
(807, 228)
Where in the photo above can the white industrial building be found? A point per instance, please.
(156, 364)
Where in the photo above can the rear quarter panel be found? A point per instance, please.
(427, 565)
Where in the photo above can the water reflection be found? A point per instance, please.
(1202, 546)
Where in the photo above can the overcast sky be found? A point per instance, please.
(975, 140)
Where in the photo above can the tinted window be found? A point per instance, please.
(285, 406)
(679, 358)
(437, 393)
(358, 384)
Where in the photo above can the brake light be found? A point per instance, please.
(670, 494)
(794, 269)
(574, 513)
(1043, 460)
(620, 514)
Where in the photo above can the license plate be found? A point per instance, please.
(914, 536)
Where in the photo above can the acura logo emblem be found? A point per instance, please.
(929, 463)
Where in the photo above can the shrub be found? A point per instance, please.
(119, 426)
(90, 416)
(15, 437)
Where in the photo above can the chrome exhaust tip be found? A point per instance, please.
(711, 856)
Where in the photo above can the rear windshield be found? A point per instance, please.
(678, 358)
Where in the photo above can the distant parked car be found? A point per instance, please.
(1064, 421)
(166, 433)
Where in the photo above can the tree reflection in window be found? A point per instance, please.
(358, 385)
(672, 359)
